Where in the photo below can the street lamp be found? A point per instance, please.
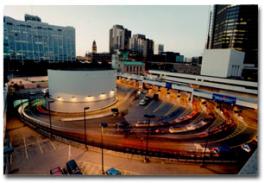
(84, 125)
(102, 125)
(50, 101)
(148, 117)
(206, 145)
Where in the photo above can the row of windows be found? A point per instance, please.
(37, 27)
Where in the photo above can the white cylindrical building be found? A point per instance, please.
(72, 90)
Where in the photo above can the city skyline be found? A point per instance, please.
(186, 35)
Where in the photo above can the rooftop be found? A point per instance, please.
(133, 63)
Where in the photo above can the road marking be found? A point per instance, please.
(40, 148)
(53, 146)
(145, 108)
(170, 110)
(25, 145)
(69, 152)
(159, 107)
(239, 129)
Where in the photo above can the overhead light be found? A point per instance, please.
(102, 96)
(112, 92)
(59, 98)
(73, 98)
(89, 98)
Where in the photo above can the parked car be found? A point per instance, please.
(246, 147)
(144, 101)
(142, 124)
(56, 171)
(115, 111)
(73, 168)
(113, 171)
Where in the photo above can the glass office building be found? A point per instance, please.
(33, 40)
(118, 38)
(235, 26)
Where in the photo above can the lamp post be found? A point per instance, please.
(148, 117)
(206, 145)
(84, 126)
(102, 125)
(50, 101)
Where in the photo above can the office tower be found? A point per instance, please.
(118, 38)
(148, 48)
(235, 26)
(34, 40)
(136, 44)
(160, 48)
(140, 45)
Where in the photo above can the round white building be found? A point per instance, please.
(73, 90)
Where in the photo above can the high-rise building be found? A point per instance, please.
(235, 26)
(118, 38)
(136, 44)
(94, 47)
(148, 48)
(160, 48)
(140, 45)
(37, 41)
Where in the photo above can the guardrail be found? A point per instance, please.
(241, 101)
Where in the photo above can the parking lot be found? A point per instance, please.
(35, 154)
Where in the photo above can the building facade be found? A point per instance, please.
(94, 47)
(34, 40)
(160, 48)
(179, 58)
(235, 26)
(136, 44)
(118, 38)
(140, 45)
(69, 100)
(132, 67)
(222, 63)
(148, 48)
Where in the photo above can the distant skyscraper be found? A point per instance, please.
(118, 38)
(136, 44)
(94, 47)
(37, 41)
(148, 48)
(139, 44)
(235, 26)
(160, 48)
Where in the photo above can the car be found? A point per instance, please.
(173, 130)
(115, 111)
(214, 151)
(141, 124)
(146, 98)
(159, 131)
(123, 126)
(56, 171)
(246, 147)
(203, 134)
(73, 168)
(113, 171)
(142, 102)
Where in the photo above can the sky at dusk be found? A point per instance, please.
(180, 28)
